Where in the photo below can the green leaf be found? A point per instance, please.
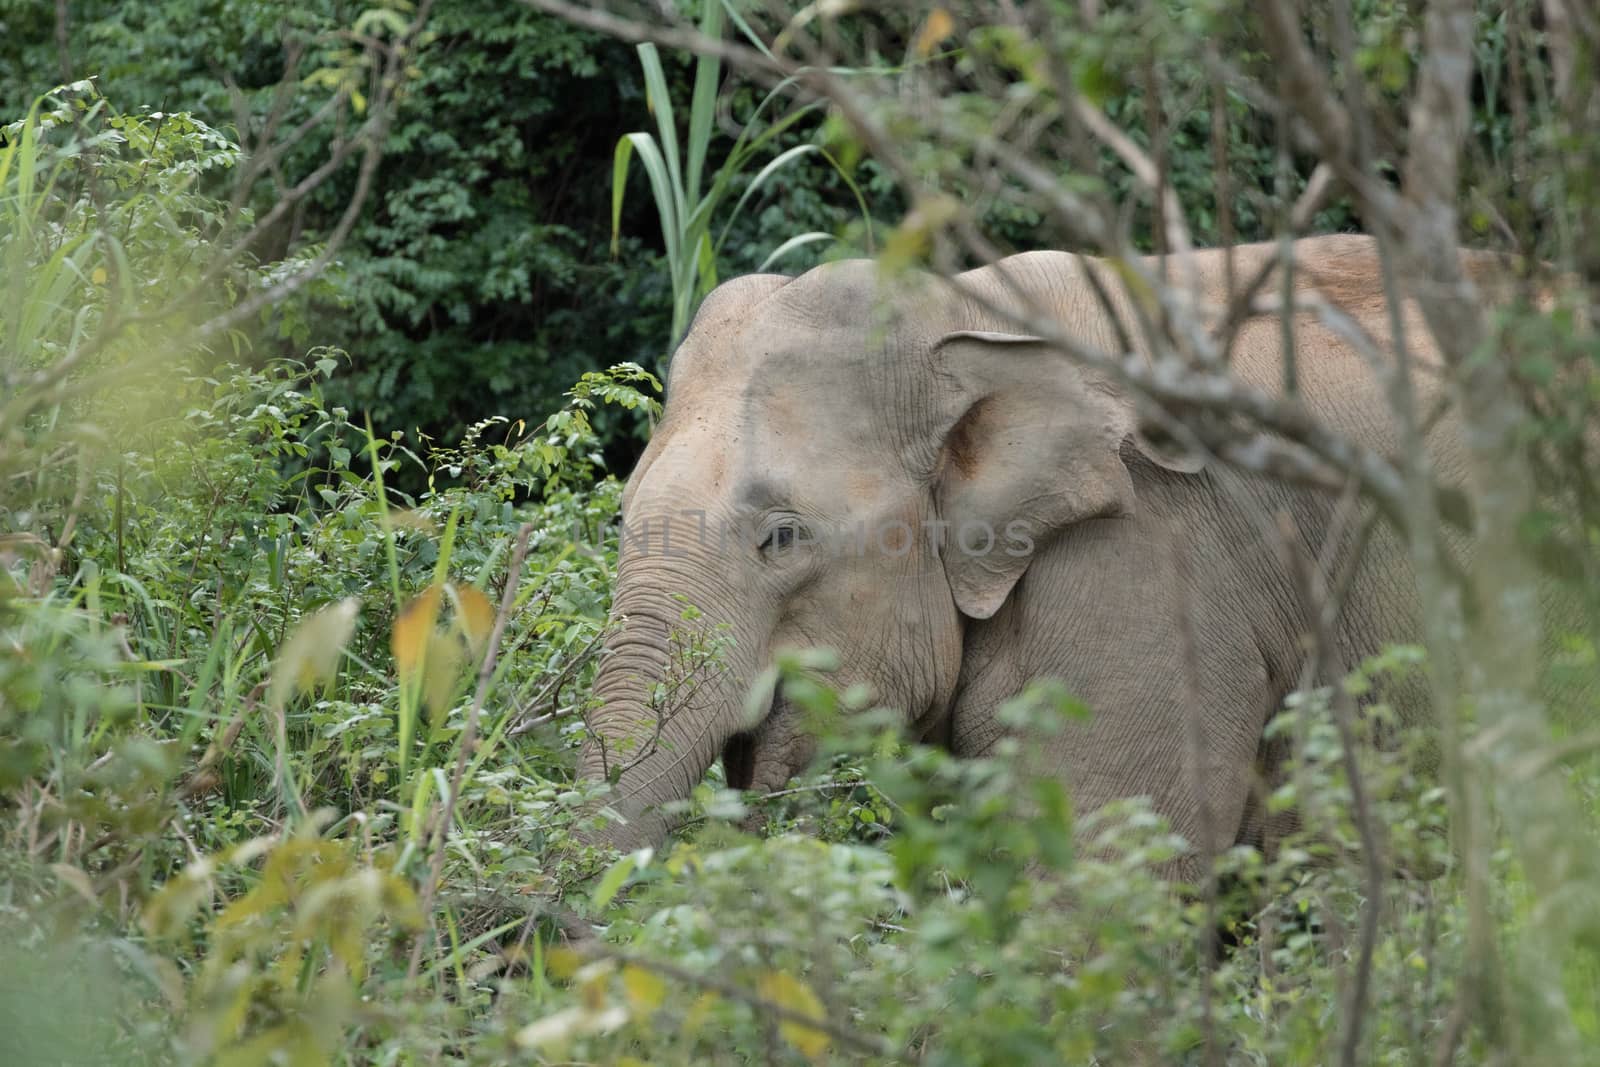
(758, 698)
(797, 241)
(610, 882)
(661, 187)
(707, 265)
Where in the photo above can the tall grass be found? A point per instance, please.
(677, 174)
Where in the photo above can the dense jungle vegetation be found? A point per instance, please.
(328, 332)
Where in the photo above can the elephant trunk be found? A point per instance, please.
(671, 692)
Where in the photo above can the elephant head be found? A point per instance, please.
(842, 462)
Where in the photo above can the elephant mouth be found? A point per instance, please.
(739, 754)
(739, 760)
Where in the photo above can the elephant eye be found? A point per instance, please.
(780, 535)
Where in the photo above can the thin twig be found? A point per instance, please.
(1196, 750)
(468, 742)
(1241, 299)
(1325, 652)
(553, 688)
(63, 42)
(1222, 184)
(879, 1047)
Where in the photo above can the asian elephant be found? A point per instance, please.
(1003, 518)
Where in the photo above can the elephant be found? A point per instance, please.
(1006, 517)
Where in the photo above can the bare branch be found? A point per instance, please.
(63, 41)
(1441, 112)
(552, 688)
(372, 138)
(1558, 39)
(1148, 174)
(688, 39)
(1311, 200)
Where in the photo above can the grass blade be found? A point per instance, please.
(707, 260)
(660, 103)
(619, 187)
(776, 164)
(744, 27)
(657, 170)
(798, 241)
(703, 105)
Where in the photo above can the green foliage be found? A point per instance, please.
(100, 227)
(286, 955)
(481, 280)
(258, 863)
(215, 686)
(675, 176)
(186, 690)
(978, 934)
(198, 622)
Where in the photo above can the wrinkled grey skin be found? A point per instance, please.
(817, 401)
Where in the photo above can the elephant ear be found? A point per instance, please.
(1030, 444)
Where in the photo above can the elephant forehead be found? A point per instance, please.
(780, 349)
(790, 441)
(791, 390)
(698, 449)
(858, 291)
(834, 326)
(710, 491)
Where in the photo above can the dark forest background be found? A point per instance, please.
(480, 281)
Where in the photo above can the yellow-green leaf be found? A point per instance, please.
(441, 678)
(912, 241)
(400, 902)
(475, 614)
(410, 520)
(562, 962)
(699, 1011)
(175, 902)
(684, 857)
(310, 657)
(791, 994)
(935, 30)
(644, 988)
(76, 880)
(412, 629)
